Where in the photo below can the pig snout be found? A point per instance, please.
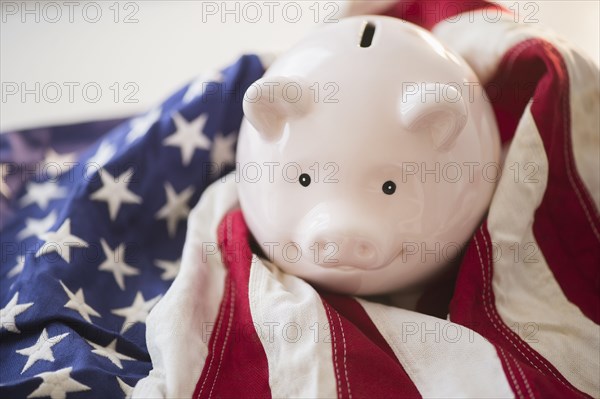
(335, 237)
(345, 250)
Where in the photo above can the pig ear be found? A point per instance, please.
(437, 109)
(269, 103)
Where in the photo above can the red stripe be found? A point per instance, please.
(236, 364)
(518, 383)
(428, 13)
(365, 365)
(205, 387)
(567, 224)
(473, 306)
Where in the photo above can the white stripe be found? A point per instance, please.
(484, 52)
(528, 297)
(294, 331)
(443, 359)
(179, 326)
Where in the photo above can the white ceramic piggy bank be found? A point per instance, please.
(367, 157)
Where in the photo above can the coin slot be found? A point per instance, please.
(367, 35)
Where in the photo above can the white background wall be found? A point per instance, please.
(166, 44)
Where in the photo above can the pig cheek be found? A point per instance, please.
(418, 262)
(288, 206)
(282, 212)
(409, 217)
(405, 270)
(408, 212)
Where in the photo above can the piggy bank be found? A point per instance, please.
(367, 157)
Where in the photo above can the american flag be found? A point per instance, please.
(517, 318)
(93, 220)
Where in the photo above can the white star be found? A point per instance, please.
(141, 124)
(10, 311)
(188, 137)
(171, 268)
(55, 164)
(196, 88)
(105, 152)
(137, 312)
(56, 384)
(176, 207)
(114, 192)
(18, 268)
(36, 227)
(4, 188)
(127, 389)
(77, 303)
(60, 241)
(110, 352)
(41, 350)
(115, 263)
(222, 150)
(42, 194)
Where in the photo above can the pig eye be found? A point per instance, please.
(304, 179)
(389, 187)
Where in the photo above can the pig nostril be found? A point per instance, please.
(364, 250)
